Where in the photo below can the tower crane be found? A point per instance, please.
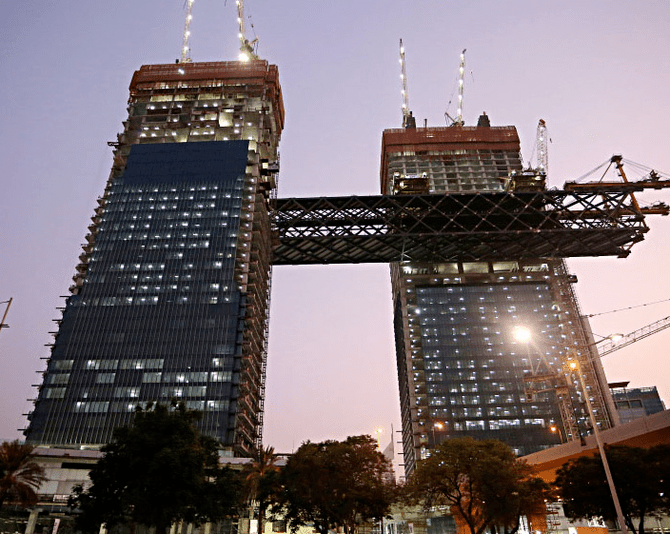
(652, 180)
(541, 379)
(458, 121)
(408, 120)
(185, 49)
(247, 48)
(541, 147)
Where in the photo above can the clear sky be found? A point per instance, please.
(598, 72)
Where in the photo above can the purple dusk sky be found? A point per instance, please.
(598, 72)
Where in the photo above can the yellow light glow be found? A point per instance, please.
(521, 333)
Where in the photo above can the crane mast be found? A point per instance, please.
(541, 147)
(458, 121)
(461, 84)
(405, 97)
(247, 51)
(185, 49)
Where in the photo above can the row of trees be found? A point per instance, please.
(161, 470)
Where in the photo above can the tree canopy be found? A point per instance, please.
(157, 471)
(20, 475)
(641, 477)
(336, 484)
(482, 482)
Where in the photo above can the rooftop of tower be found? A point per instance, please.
(172, 75)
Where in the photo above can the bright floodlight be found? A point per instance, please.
(521, 333)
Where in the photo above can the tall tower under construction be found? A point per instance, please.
(463, 369)
(170, 299)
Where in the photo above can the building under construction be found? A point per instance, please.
(170, 299)
(462, 370)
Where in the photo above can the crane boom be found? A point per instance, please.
(461, 84)
(611, 345)
(403, 79)
(185, 49)
(458, 121)
(542, 151)
(247, 51)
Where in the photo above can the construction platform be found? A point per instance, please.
(601, 221)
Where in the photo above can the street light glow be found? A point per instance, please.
(521, 333)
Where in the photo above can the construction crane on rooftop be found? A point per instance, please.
(652, 180)
(541, 147)
(407, 118)
(458, 121)
(185, 48)
(247, 48)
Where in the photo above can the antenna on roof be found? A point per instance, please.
(408, 121)
(185, 49)
(458, 121)
(247, 48)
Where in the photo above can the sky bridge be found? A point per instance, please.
(600, 220)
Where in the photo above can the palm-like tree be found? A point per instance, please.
(261, 480)
(20, 475)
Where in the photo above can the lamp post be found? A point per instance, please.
(574, 366)
(523, 334)
(436, 426)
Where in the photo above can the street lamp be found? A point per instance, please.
(573, 365)
(555, 430)
(436, 426)
(521, 334)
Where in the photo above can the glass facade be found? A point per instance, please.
(170, 300)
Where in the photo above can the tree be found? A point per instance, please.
(20, 475)
(641, 477)
(262, 482)
(155, 472)
(336, 485)
(484, 484)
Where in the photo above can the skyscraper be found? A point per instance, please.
(461, 368)
(170, 299)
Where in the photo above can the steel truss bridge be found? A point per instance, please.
(596, 219)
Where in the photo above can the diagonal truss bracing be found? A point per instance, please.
(463, 227)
